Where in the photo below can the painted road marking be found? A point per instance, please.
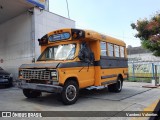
(155, 106)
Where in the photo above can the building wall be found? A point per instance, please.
(139, 54)
(18, 37)
(15, 42)
(143, 57)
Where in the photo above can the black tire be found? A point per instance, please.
(70, 93)
(10, 83)
(116, 87)
(31, 93)
(111, 88)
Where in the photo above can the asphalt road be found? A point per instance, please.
(133, 97)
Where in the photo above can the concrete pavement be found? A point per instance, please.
(132, 98)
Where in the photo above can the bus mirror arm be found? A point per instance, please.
(92, 58)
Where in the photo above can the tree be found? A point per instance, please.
(149, 33)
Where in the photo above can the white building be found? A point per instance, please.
(138, 54)
(21, 24)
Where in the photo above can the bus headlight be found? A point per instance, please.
(54, 75)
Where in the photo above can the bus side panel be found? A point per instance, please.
(110, 75)
(84, 76)
(111, 67)
(97, 76)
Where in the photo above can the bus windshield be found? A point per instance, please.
(60, 52)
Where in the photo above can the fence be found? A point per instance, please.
(144, 71)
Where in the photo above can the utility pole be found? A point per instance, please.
(67, 8)
(156, 76)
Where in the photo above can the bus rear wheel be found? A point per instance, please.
(116, 87)
(70, 93)
(31, 93)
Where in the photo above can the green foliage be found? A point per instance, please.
(149, 33)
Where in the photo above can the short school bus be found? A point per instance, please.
(72, 59)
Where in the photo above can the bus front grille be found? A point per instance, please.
(36, 74)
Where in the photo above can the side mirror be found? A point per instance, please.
(85, 54)
(81, 55)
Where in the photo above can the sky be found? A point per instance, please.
(110, 17)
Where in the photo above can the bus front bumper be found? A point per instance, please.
(41, 87)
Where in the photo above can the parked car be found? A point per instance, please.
(5, 78)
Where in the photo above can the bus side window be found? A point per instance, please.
(110, 49)
(103, 49)
(117, 52)
(122, 51)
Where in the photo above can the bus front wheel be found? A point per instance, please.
(70, 93)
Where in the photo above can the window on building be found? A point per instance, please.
(103, 49)
(117, 53)
(122, 51)
(110, 49)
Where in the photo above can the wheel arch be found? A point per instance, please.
(72, 79)
(121, 77)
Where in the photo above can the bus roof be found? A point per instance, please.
(92, 35)
(95, 35)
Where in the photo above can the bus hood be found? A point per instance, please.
(40, 65)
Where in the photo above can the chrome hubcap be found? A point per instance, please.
(70, 92)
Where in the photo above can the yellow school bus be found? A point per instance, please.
(72, 59)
